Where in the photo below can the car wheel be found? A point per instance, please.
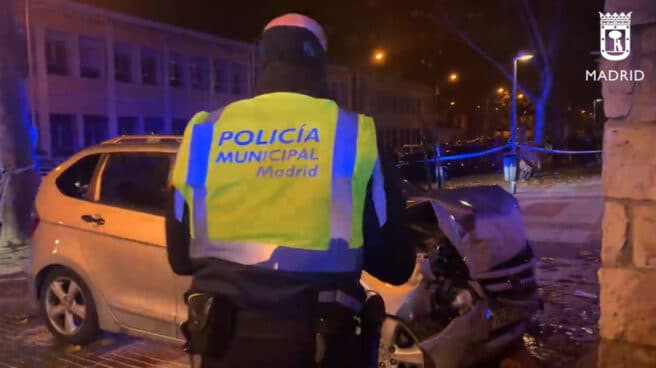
(68, 308)
(398, 346)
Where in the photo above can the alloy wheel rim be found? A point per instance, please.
(65, 306)
(394, 353)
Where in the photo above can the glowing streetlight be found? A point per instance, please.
(453, 77)
(594, 112)
(452, 103)
(521, 56)
(524, 56)
(378, 57)
(501, 90)
(520, 96)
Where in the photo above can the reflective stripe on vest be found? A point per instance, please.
(378, 194)
(339, 255)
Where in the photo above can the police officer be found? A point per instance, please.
(279, 203)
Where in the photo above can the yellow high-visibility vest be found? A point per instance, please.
(279, 181)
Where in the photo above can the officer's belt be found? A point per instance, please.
(254, 324)
(340, 297)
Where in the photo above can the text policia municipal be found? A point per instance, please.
(271, 158)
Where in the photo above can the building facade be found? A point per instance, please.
(95, 74)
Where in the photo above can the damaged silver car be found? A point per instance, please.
(473, 289)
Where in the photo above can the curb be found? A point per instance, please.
(13, 276)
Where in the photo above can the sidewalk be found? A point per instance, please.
(554, 181)
(13, 261)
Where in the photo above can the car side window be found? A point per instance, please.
(136, 181)
(74, 181)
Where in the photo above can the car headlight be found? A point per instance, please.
(463, 301)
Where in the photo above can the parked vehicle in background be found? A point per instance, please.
(412, 158)
(101, 264)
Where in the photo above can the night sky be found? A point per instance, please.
(417, 48)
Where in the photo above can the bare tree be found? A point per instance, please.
(16, 145)
(543, 48)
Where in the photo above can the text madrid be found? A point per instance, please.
(614, 75)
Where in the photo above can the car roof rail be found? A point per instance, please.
(144, 139)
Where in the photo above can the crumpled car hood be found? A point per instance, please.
(484, 223)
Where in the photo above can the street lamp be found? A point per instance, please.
(378, 56)
(501, 90)
(594, 115)
(521, 56)
(453, 77)
(511, 161)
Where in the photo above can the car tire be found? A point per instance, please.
(68, 308)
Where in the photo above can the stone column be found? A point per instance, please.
(628, 273)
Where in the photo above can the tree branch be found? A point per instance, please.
(450, 27)
(536, 35)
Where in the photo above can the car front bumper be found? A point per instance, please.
(474, 337)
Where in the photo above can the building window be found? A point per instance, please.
(154, 125)
(199, 73)
(95, 129)
(176, 74)
(238, 79)
(63, 134)
(123, 63)
(57, 53)
(91, 57)
(179, 126)
(220, 76)
(128, 125)
(150, 60)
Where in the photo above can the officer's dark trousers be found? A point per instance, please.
(273, 344)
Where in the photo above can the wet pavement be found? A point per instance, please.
(563, 223)
(25, 342)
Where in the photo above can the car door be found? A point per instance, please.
(130, 260)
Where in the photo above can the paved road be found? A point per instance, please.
(562, 222)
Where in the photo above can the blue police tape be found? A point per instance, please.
(497, 149)
(473, 154)
(461, 156)
(566, 152)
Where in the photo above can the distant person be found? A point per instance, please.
(280, 202)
